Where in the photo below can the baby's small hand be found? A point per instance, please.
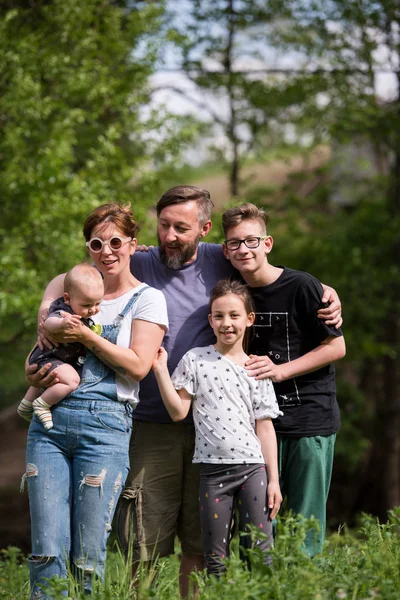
(70, 321)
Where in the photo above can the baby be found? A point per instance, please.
(83, 293)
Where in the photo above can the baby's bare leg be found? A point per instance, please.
(68, 382)
(32, 393)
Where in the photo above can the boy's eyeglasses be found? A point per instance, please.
(250, 242)
(115, 243)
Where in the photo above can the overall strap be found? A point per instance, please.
(119, 318)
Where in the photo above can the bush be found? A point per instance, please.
(359, 566)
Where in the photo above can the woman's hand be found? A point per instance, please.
(41, 378)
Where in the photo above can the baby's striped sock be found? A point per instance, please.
(43, 412)
(25, 409)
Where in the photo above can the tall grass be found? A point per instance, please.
(361, 565)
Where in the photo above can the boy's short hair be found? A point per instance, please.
(243, 212)
(81, 276)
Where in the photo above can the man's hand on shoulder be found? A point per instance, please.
(332, 313)
(143, 248)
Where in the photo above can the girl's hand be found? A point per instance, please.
(262, 367)
(160, 360)
(274, 499)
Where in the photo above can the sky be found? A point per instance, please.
(386, 85)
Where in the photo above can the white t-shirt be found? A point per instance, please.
(150, 306)
(226, 404)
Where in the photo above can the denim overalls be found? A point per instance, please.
(75, 473)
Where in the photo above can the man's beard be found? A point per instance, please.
(182, 255)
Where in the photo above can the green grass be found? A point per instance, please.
(360, 565)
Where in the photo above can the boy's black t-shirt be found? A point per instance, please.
(287, 327)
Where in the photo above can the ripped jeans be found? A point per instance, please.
(75, 473)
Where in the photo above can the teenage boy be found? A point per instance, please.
(296, 350)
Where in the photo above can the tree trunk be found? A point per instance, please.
(234, 166)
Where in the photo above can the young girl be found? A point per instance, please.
(235, 438)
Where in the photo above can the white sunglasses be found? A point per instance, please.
(115, 243)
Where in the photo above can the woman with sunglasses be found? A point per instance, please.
(76, 469)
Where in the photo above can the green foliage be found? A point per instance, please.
(357, 566)
(73, 81)
(75, 133)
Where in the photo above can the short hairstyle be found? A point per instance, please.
(185, 193)
(243, 212)
(232, 286)
(121, 216)
(81, 276)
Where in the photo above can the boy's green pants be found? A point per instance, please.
(305, 470)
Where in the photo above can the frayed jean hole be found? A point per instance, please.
(40, 560)
(31, 471)
(80, 564)
(94, 480)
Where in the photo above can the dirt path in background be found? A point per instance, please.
(274, 173)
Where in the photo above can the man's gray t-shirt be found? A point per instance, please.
(187, 292)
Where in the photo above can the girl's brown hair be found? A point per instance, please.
(121, 216)
(231, 286)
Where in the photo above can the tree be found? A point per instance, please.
(218, 49)
(347, 230)
(73, 81)
(342, 48)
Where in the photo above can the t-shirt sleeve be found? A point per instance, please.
(152, 307)
(265, 404)
(57, 306)
(310, 295)
(184, 376)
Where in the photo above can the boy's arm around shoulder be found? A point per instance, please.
(328, 340)
(333, 348)
(329, 351)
